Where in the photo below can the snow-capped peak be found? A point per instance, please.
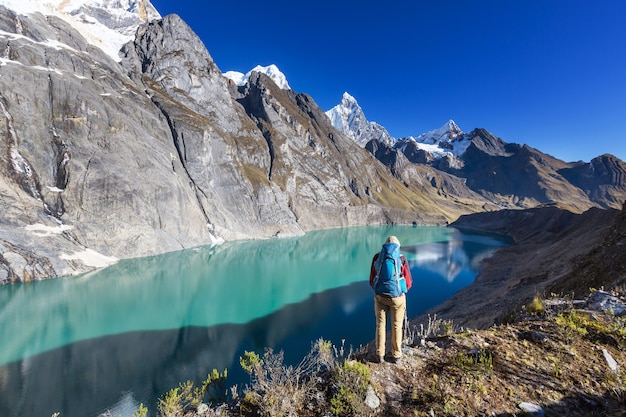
(348, 101)
(449, 139)
(271, 71)
(348, 118)
(446, 133)
(107, 24)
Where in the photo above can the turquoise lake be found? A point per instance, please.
(111, 339)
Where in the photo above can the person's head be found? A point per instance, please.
(393, 239)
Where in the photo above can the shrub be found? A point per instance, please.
(278, 390)
(187, 395)
(476, 360)
(350, 382)
(536, 306)
(142, 411)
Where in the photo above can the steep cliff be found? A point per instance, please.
(88, 172)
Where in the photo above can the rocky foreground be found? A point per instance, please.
(540, 344)
(563, 359)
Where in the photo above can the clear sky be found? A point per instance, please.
(547, 73)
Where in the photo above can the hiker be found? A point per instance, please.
(390, 278)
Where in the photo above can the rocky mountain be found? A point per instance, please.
(348, 118)
(506, 175)
(154, 150)
(106, 24)
(554, 251)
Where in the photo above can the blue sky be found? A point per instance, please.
(550, 73)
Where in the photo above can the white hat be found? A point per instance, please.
(393, 239)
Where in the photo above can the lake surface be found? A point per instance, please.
(111, 339)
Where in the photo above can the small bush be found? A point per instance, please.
(572, 322)
(434, 328)
(187, 395)
(350, 382)
(474, 360)
(142, 411)
(171, 404)
(279, 390)
(536, 306)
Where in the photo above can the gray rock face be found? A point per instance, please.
(83, 179)
(221, 151)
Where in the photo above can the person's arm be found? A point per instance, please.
(406, 271)
(373, 271)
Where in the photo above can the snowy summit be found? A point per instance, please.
(271, 71)
(348, 118)
(106, 24)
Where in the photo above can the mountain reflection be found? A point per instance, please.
(450, 258)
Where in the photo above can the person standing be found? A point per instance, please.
(390, 278)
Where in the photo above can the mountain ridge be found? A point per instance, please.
(506, 175)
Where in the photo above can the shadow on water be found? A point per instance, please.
(127, 334)
(87, 377)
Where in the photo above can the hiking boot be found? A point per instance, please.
(378, 359)
(391, 359)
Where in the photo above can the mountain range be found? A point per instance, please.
(123, 139)
(508, 175)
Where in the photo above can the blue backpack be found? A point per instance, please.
(389, 280)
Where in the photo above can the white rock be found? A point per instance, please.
(532, 409)
(371, 399)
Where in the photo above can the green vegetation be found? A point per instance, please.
(536, 306)
(187, 396)
(278, 390)
(142, 411)
(350, 382)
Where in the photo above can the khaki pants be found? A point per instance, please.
(397, 307)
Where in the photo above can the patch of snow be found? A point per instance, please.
(90, 258)
(107, 24)
(42, 230)
(238, 78)
(49, 42)
(449, 138)
(54, 189)
(349, 119)
(433, 149)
